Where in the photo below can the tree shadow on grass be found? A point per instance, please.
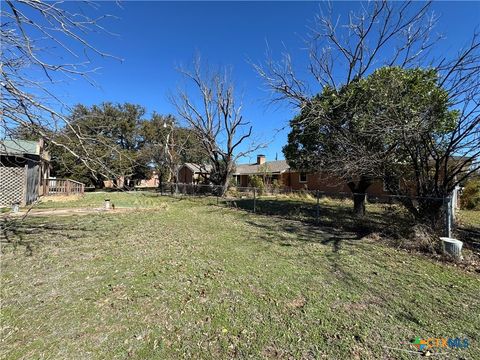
(18, 233)
(304, 233)
(470, 237)
(376, 286)
(336, 259)
(333, 216)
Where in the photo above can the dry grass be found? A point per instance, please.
(61, 198)
(201, 281)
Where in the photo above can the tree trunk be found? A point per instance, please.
(432, 212)
(126, 184)
(99, 184)
(359, 190)
(160, 182)
(223, 186)
(359, 204)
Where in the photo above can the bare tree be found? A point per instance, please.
(342, 50)
(44, 43)
(216, 119)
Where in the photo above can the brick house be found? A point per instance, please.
(290, 179)
(270, 171)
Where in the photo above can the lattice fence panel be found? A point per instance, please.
(12, 181)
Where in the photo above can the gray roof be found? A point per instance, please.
(269, 167)
(19, 147)
(199, 168)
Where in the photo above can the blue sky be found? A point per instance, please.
(154, 37)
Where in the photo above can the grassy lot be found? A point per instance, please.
(184, 279)
(469, 218)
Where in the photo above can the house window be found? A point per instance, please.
(302, 177)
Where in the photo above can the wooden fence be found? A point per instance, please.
(63, 187)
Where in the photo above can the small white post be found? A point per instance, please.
(16, 207)
(448, 215)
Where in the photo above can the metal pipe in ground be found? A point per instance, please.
(448, 216)
(254, 200)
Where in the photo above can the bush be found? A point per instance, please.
(232, 183)
(470, 198)
(277, 186)
(257, 182)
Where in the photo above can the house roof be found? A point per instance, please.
(270, 167)
(199, 168)
(16, 147)
(19, 147)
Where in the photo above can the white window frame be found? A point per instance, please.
(300, 177)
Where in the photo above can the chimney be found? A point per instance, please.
(260, 159)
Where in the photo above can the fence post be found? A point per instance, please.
(317, 218)
(254, 200)
(448, 216)
(25, 186)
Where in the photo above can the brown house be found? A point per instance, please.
(290, 179)
(190, 173)
(280, 174)
(270, 171)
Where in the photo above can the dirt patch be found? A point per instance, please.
(297, 303)
(61, 198)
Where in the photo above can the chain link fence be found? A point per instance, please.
(318, 207)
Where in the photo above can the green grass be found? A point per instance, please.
(469, 218)
(192, 280)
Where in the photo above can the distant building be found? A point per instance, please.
(270, 171)
(24, 168)
(150, 182)
(280, 173)
(190, 173)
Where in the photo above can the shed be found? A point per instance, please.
(24, 166)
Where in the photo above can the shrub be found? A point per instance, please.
(232, 183)
(257, 182)
(277, 185)
(470, 198)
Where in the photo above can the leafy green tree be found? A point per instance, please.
(343, 50)
(257, 182)
(364, 130)
(108, 133)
